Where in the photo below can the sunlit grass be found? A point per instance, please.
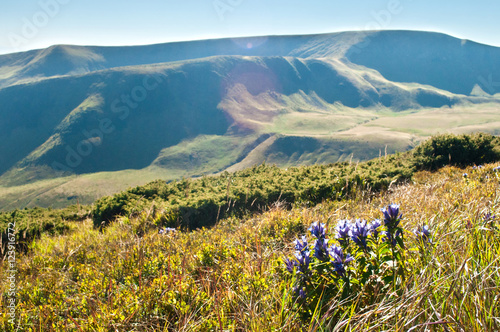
(232, 277)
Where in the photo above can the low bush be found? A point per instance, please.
(456, 150)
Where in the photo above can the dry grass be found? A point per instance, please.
(231, 277)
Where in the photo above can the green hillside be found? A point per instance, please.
(82, 122)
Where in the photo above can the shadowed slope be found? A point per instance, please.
(435, 59)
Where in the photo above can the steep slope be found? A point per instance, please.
(122, 118)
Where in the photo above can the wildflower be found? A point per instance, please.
(339, 260)
(343, 227)
(374, 226)
(489, 217)
(465, 175)
(303, 261)
(392, 217)
(166, 230)
(300, 292)
(301, 247)
(317, 230)
(320, 249)
(423, 234)
(290, 264)
(496, 169)
(359, 233)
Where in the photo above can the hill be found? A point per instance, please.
(77, 113)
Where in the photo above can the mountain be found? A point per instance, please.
(194, 108)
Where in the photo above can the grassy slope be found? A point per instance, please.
(232, 276)
(208, 154)
(205, 155)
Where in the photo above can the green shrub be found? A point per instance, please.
(108, 208)
(199, 203)
(29, 224)
(457, 150)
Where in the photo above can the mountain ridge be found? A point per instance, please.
(349, 45)
(328, 96)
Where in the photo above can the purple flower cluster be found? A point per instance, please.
(300, 292)
(490, 220)
(333, 254)
(343, 228)
(392, 217)
(391, 237)
(357, 231)
(317, 230)
(423, 234)
(374, 227)
(324, 257)
(324, 253)
(302, 257)
(321, 249)
(303, 246)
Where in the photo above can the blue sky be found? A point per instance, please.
(31, 24)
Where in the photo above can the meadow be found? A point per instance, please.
(436, 267)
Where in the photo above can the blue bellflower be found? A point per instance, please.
(290, 264)
(391, 238)
(374, 227)
(339, 261)
(423, 234)
(303, 261)
(489, 217)
(392, 217)
(301, 247)
(299, 292)
(359, 233)
(321, 249)
(343, 228)
(166, 230)
(318, 230)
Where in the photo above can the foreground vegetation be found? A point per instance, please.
(136, 275)
(191, 204)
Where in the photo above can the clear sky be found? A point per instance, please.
(32, 24)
